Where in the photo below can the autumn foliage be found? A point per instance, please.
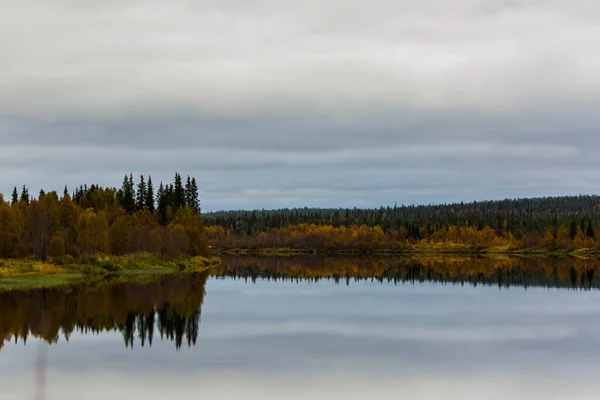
(97, 220)
(327, 238)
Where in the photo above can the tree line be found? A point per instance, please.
(552, 223)
(106, 220)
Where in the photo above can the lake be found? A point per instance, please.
(312, 328)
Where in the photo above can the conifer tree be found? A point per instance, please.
(162, 203)
(126, 195)
(196, 195)
(66, 192)
(141, 194)
(25, 195)
(572, 229)
(132, 184)
(590, 230)
(149, 200)
(178, 193)
(188, 192)
(15, 196)
(191, 194)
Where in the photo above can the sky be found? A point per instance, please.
(272, 103)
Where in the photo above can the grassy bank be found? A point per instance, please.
(15, 273)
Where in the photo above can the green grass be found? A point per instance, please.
(98, 268)
(36, 281)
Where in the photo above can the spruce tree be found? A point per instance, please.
(178, 193)
(25, 195)
(590, 230)
(149, 200)
(126, 195)
(132, 187)
(162, 200)
(15, 196)
(141, 194)
(194, 201)
(573, 230)
(189, 200)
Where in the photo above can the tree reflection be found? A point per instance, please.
(170, 307)
(172, 304)
(566, 273)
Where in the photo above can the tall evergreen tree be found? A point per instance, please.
(149, 200)
(126, 195)
(65, 192)
(15, 196)
(590, 230)
(163, 203)
(25, 195)
(188, 192)
(196, 195)
(573, 229)
(178, 193)
(141, 194)
(191, 192)
(132, 186)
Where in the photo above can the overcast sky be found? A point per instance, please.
(273, 103)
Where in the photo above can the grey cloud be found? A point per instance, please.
(273, 104)
(144, 58)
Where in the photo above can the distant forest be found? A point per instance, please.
(91, 220)
(137, 218)
(550, 223)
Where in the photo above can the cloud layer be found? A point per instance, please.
(275, 104)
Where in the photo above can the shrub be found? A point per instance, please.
(109, 266)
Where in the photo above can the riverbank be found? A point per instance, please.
(17, 273)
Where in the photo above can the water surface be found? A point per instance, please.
(312, 328)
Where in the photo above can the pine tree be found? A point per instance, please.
(178, 193)
(15, 196)
(573, 229)
(126, 195)
(149, 200)
(141, 194)
(132, 187)
(162, 203)
(25, 195)
(191, 194)
(590, 230)
(66, 192)
(194, 201)
(189, 200)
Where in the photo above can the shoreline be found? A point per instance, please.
(29, 274)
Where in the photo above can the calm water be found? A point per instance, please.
(312, 328)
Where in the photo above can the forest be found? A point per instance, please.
(167, 222)
(96, 220)
(549, 224)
